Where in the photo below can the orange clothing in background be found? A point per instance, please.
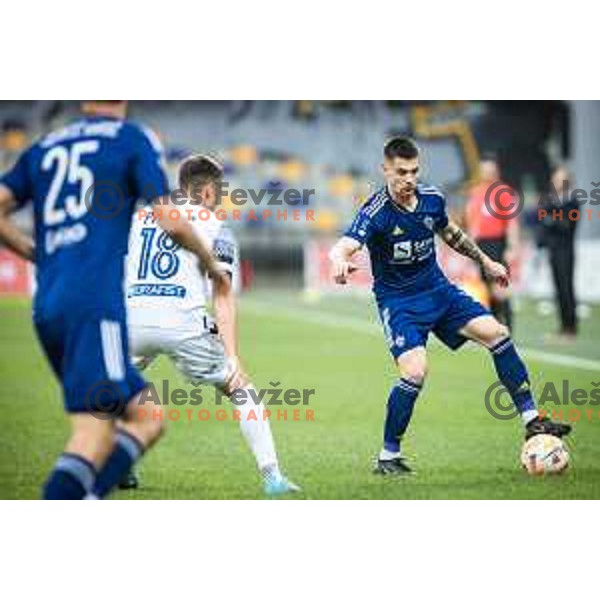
(482, 224)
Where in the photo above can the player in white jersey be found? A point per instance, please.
(167, 308)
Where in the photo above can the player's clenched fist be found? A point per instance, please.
(498, 272)
(341, 265)
(341, 270)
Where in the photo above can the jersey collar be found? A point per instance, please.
(401, 208)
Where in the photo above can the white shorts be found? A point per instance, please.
(192, 344)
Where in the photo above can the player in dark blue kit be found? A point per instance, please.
(84, 180)
(414, 297)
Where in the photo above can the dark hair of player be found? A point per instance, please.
(198, 170)
(401, 147)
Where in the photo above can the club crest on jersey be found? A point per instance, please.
(429, 222)
(398, 231)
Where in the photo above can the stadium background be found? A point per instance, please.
(297, 329)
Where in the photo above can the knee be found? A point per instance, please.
(414, 370)
(91, 438)
(497, 334)
(152, 430)
(146, 428)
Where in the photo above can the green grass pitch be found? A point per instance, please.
(335, 347)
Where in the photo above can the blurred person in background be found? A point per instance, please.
(557, 234)
(13, 140)
(496, 234)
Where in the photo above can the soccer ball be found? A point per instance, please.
(543, 454)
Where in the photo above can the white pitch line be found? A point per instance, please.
(315, 317)
(564, 360)
(328, 319)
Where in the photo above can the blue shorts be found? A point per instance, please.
(89, 353)
(408, 320)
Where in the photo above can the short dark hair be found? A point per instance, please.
(198, 170)
(401, 147)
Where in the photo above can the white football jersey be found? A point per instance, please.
(164, 281)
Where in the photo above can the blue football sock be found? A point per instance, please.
(72, 478)
(512, 372)
(127, 451)
(399, 410)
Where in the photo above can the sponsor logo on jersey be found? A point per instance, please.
(158, 289)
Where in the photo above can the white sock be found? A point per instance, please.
(529, 415)
(387, 455)
(257, 432)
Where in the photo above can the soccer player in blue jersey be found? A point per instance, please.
(414, 297)
(83, 181)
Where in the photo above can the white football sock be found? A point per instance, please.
(257, 431)
(529, 415)
(387, 455)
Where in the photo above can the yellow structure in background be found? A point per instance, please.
(458, 128)
(326, 220)
(244, 156)
(292, 171)
(341, 186)
(13, 140)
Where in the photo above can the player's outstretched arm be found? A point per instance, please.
(457, 239)
(10, 235)
(340, 257)
(184, 235)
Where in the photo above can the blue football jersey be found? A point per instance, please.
(401, 243)
(84, 181)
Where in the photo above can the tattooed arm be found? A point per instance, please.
(457, 239)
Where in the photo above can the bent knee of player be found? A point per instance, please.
(493, 334)
(147, 429)
(498, 333)
(154, 428)
(91, 438)
(486, 330)
(144, 423)
(416, 373)
(413, 368)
